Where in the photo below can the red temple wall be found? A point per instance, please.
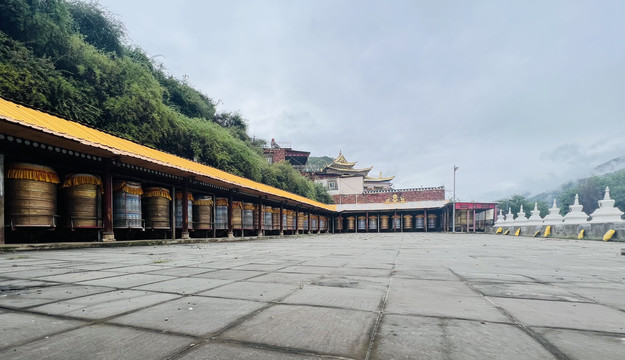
(431, 194)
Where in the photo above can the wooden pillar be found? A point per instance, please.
(184, 234)
(366, 221)
(261, 216)
(474, 220)
(425, 219)
(297, 220)
(107, 202)
(230, 226)
(378, 222)
(393, 220)
(214, 216)
(309, 222)
(1, 198)
(281, 219)
(172, 215)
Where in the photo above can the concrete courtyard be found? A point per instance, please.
(356, 296)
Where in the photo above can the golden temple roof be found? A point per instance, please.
(340, 160)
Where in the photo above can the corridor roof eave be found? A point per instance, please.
(408, 205)
(21, 121)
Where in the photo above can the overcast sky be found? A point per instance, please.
(521, 95)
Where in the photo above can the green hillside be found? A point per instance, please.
(71, 58)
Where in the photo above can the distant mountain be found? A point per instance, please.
(611, 166)
(317, 163)
(603, 172)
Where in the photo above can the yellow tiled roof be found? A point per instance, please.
(21, 115)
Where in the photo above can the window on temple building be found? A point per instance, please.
(332, 185)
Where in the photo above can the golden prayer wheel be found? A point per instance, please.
(302, 221)
(221, 213)
(407, 221)
(275, 219)
(373, 222)
(156, 208)
(339, 223)
(290, 219)
(179, 210)
(127, 205)
(31, 195)
(203, 213)
(323, 223)
(384, 222)
(82, 201)
(237, 215)
(351, 223)
(420, 222)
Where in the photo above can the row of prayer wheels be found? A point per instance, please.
(387, 222)
(32, 202)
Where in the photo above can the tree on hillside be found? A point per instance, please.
(514, 203)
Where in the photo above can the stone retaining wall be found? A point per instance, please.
(570, 231)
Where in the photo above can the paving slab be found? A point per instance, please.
(335, 332)
(286, 278)
(356, 282)
(440, 298)
(219, 351)
(127, 281)
(352, 271)
(415, 337)
(77, 276)
(17, 328)
(191, 315)
(101, 342)
(301, 269)
(248, 290)
(341, 297)
(181, 271)
(527, 291)
(230, 274)
(184, 285)
(611, 296)
(564, 314)
(32, 296)
(99, 306)
(582, 345)
(33, 273)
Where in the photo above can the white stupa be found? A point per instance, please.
(535, 218)
(606, 213)
(509, 218)
(576, 215)
(554, 217)
(500, 219)
(521, 219)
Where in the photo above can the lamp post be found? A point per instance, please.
(453, 216)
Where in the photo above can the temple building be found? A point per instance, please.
(340, 177)
(276, 153)
(378, 183)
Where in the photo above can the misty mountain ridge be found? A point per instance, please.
(609, 173)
